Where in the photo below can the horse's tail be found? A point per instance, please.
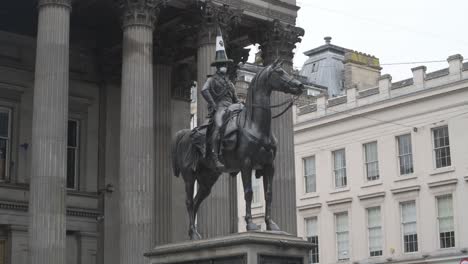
(175, 147)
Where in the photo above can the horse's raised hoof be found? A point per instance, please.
(194, 235)
(252, 227)
(272, 226)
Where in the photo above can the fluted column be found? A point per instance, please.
(163, 175)
(47, 209)
(278, 43)
(136, 179)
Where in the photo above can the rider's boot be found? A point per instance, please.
(215, 151)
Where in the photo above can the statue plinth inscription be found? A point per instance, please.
(242, 248)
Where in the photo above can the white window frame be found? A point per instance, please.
(306, 236)
(342, 168)
(438, 220)
(374, 227)
(402, 236)
(77, 153)
(314, 175)
(335, 215)
(366, 162)
(434, 146)
(399, 155)
(8, 144)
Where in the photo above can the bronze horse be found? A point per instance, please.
(251, 146)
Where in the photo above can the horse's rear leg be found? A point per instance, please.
(269, 172)
(189, 185)
(248, 196)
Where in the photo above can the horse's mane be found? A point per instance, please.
(259, 79)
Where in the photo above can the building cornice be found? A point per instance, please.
(371, 196)
(414, 188)
(309, 206)
(442, 183)
(265, 12)
(339, 201)
(71, 211)
(381, 105)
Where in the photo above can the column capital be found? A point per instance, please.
(212, 15)
(140, 12)
(65, 3)
(279, 40)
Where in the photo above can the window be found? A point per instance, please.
(256, 189)
(371, 161)
(339, 164)
(72, 154)
(309, 174)
(5, 141)
(445, 219)
(342, 235)
(312, 237)
(374, 228)
(408, 222)
(405, 154)
(441, 147)
(314, 67)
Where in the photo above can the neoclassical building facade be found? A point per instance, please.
(91, 93)
(381, 170)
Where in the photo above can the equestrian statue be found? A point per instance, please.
(237, 138)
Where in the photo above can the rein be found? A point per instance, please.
(289, 102)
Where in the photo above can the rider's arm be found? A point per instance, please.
(235, 99)
(207, 95)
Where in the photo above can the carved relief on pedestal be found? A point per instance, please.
(278, 42)
(140, 12)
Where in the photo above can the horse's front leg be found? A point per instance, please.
(248, 196)
(269, 172)
(189, 185)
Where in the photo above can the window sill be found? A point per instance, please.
(372, 184)
(257, 205)
(341, 190)
(442, 170)
(406, 178)
(309, 196)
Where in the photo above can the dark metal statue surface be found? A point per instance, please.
(247, 144)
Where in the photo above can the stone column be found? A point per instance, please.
(163, 175)
(136, 179)
(47, 208)
(278, 43)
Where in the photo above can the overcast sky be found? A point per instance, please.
(395, 31)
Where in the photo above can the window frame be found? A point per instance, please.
(9, 139)
(438, 221)
(379, 226)
(305, 177)
(77, 150)
(397, 139)
(402, 224)
(366, 162)
(335, 216)
(306, 233)
(334, 170)
(446, 146)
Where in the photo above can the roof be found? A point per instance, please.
(326, 47)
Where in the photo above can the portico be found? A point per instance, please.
(121, 72)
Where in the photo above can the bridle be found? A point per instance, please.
(289, 102)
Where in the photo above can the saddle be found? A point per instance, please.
(227, 132)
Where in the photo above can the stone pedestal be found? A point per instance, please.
(242, 248)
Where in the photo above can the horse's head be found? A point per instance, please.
(281, 81)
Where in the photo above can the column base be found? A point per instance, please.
(243, 248)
